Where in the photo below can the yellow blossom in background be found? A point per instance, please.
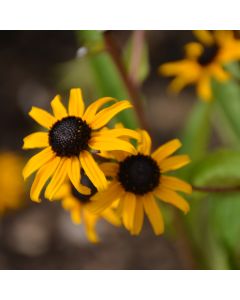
(72, 136)
(138, 180)
(77, 204)
(11, 182)
(203, 61)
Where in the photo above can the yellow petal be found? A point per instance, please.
(172, 197)
(110, 169)
(94, 107)
(92, 170)
(118, 132)
(129, 205)
(105, 115)
(166, 150)
(42, 117)
(204, 36)
(104, 200)
(175, 184)
(145, 143)
(110, 216)
(219, 73)
(37, 161)
(174, 163)
(74, 173)
(70, 203)
(57, 179)
(108, 144)
(138, 217)
(204, 88)
(36, 140)
(153, 213)
(58, 108)
(76, 215)
(193, 50)
(76, 103)
(90, 224)
(63, 191)
(41, 178)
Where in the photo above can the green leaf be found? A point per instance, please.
(107, 79)
(234, 69)
(220, 168)
(227, 96)
(144, 67)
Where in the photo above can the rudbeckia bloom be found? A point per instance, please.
(11, 182)
(77, 204)
(71, 138)
(138, 180)
(203, 61)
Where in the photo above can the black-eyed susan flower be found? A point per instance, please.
(138, 180)
(71, 138)
(77, 204)
(203, 61)
(11, 182)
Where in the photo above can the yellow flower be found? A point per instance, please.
(137, 180)
(203, 61)
(71, 139)
(11, 182)
(78, 205)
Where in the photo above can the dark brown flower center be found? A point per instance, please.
(69, 136)
(139, 174)
(208, 55)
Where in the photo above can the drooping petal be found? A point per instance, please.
(204, 36)
(76, 103)
(92, 170)
(109, 144)
(42, 117)
(110, 216)
(166, 150)
(36, 140)
(94, 107)
(219, 73)
(74, 173)
(43, 174)
(172, 197)
(37, 161)
(145, 143)
(174, 163)
(153, 213)
(90, 221)
(57, 179)
(103, 200)
(76, 215)
(109, 168)
(193, 50)
(204, 88)
(129, 206)
(138, 217)
(175, 184)
(105, 115)
(58, 108)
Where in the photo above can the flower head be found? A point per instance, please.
(71, 138)
(203, 61)
(138, 180)
(11, 182)
(77, 204)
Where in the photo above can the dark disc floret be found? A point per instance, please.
(69, 136)
(208, 55)
(86, 182)
(139, 174)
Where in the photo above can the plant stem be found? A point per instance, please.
(208, 189)
(129, 81)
